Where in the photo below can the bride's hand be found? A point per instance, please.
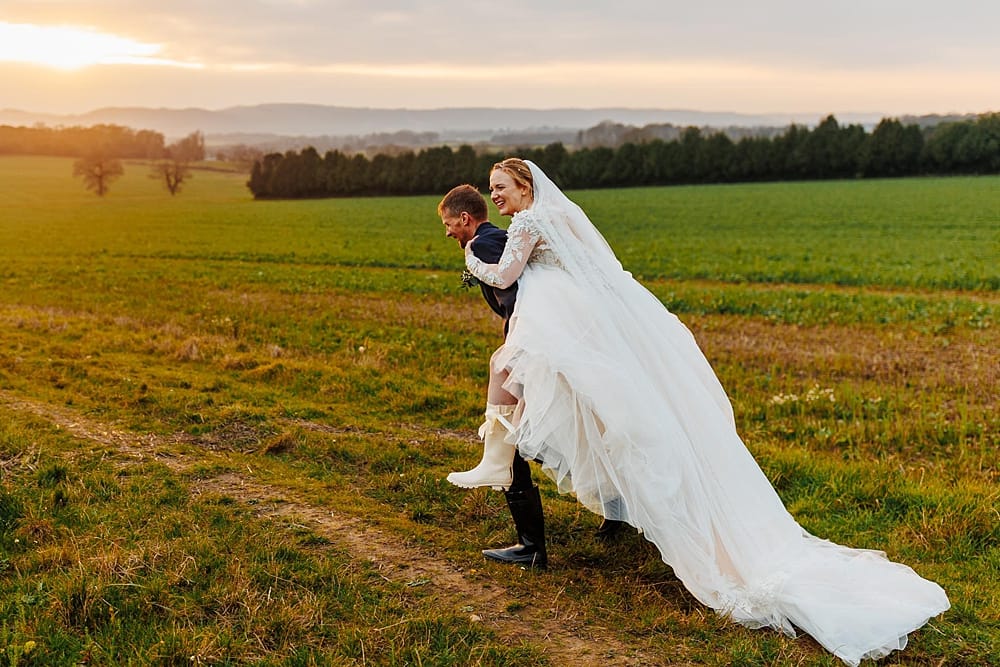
(468, 246)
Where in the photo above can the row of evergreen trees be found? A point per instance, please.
(829, 150)
(114, 141)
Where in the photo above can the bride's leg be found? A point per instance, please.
(495, 392)
(495, 468)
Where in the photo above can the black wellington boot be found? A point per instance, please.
(609, 530)
(526, 509)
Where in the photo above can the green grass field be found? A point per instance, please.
(225, 424)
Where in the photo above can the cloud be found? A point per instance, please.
(773, 54)
(312, 33)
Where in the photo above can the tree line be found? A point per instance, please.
(100, 149)
(830, 150)
(112, 140)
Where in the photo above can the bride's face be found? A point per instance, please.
(508, 196)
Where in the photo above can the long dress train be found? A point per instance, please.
(618, 401)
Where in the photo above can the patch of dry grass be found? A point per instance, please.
(207, 410)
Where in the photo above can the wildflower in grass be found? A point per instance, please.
(816, 393)
(781, 399)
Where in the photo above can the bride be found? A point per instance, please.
(600, 382)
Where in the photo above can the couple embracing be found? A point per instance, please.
(606, 389)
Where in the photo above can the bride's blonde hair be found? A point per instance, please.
(518, 170)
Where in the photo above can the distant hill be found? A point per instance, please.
(458, 124)
(282, 127)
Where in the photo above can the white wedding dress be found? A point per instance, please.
(621, 406)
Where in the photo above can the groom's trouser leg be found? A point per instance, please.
(521, 474)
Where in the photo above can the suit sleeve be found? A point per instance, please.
(489, 248)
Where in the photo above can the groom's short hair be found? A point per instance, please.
(464, 198)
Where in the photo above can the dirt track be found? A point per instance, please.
(565, 641)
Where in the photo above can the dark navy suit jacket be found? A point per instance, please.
(488, 246)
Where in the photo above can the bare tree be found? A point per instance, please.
(174, 168)
(172, 172)
(98, 171)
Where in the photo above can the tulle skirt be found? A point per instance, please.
(621, 406)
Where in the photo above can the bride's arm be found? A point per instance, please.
(521, 240)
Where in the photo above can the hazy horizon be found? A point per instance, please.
(772, 56)
(819, 114)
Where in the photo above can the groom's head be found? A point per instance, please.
(462, 210)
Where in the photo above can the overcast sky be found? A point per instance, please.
(885, 56)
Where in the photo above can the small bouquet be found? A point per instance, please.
(468, 280)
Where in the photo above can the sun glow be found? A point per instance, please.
(69, 48)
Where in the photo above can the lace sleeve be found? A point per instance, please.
(522, 237)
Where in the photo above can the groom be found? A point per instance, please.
(464, 215)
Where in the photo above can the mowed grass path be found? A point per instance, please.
(174, 371)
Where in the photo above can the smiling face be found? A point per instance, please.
(508, 195)
(462, 210)
(460, 227)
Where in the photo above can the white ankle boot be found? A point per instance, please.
(495, 468)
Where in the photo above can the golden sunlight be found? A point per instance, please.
(68, 48)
